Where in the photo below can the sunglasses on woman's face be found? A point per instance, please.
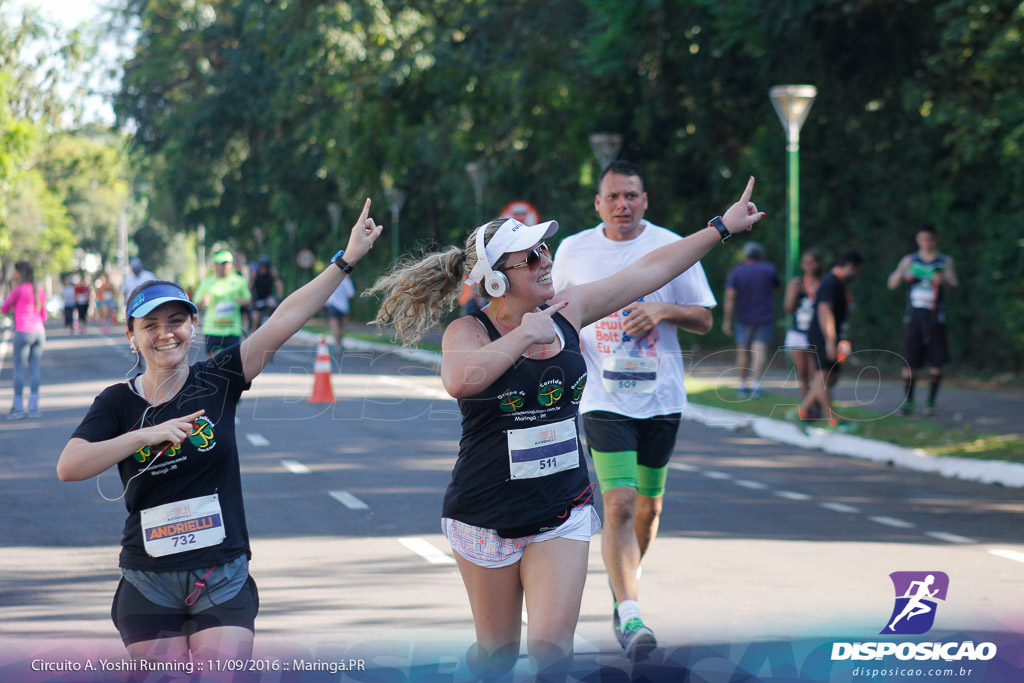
(533, 257)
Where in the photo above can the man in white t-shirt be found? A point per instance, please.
(634, 397)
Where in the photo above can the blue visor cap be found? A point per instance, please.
(157, 295)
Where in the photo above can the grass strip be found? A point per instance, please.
(908, 431)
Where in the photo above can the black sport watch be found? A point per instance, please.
(345, 266)
(719, 225)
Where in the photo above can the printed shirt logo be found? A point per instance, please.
(144, 453)
(511, 401)
(550, 393)
(202, 436)
(577, 389)
(916, 593)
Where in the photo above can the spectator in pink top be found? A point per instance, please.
(29, 305)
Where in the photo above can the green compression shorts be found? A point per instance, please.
(617, 470)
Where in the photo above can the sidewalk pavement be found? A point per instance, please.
(994, 412)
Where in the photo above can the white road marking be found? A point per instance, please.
(791, 495)
(428, 552)
(257, 439)
(747, 484)
(840, 507)
(348, 500)
(717, 475)
(949, 538)
(1014, 555)
(682, 467)
(892, 521)
(295, 467)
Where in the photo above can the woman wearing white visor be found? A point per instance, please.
(186, 596)
(517, 510)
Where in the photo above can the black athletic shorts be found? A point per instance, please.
(652, 438)
(139, 620)
(924, 340)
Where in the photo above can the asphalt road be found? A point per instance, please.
(759, 542)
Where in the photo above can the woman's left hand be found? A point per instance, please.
(743, 214)
(364, 234)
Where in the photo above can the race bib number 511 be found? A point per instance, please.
(543, 450)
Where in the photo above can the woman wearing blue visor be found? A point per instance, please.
(185, 587)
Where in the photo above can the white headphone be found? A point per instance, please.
(495, 282)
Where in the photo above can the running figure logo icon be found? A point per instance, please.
(916, 594)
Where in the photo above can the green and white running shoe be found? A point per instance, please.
(636, 639)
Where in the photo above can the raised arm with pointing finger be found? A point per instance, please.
(518, 506)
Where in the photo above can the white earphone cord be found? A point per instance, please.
(142, 423)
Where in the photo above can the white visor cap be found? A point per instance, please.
(511, 236)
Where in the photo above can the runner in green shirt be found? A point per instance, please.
(221, 297)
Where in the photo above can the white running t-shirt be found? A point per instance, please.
(637, 377)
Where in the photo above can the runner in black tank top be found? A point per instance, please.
(523, 362)
(530, 393)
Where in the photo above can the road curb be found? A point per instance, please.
(983, 471)
(814, 438)
(431, 358)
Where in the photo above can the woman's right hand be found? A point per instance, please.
(173, 431)
(743, 214)
(538, 325)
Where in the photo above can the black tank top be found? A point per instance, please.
(529, 394)
(804, 311)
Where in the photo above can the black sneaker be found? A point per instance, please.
(636, 639)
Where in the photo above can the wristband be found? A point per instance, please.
(718, 224)
(345, 266)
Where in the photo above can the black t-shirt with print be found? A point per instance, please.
(528, 394)
(205, 463)
(832, 291)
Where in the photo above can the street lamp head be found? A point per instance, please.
(606, 147)
(395, 197)
(477, 171)
(334, 212)
(792, 103)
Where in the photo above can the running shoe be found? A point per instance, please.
(743, 392)
(846, 427)
(794, 415)
(758, 392)
(17, 415)
(929, 408)
(907, 408)
(636, 639)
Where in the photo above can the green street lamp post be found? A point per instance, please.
(792, 103)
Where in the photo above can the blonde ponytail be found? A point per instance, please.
(416, 294)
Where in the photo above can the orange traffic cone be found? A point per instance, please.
(322, 391)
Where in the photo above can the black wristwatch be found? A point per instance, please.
(345, 266)
(719, 225)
